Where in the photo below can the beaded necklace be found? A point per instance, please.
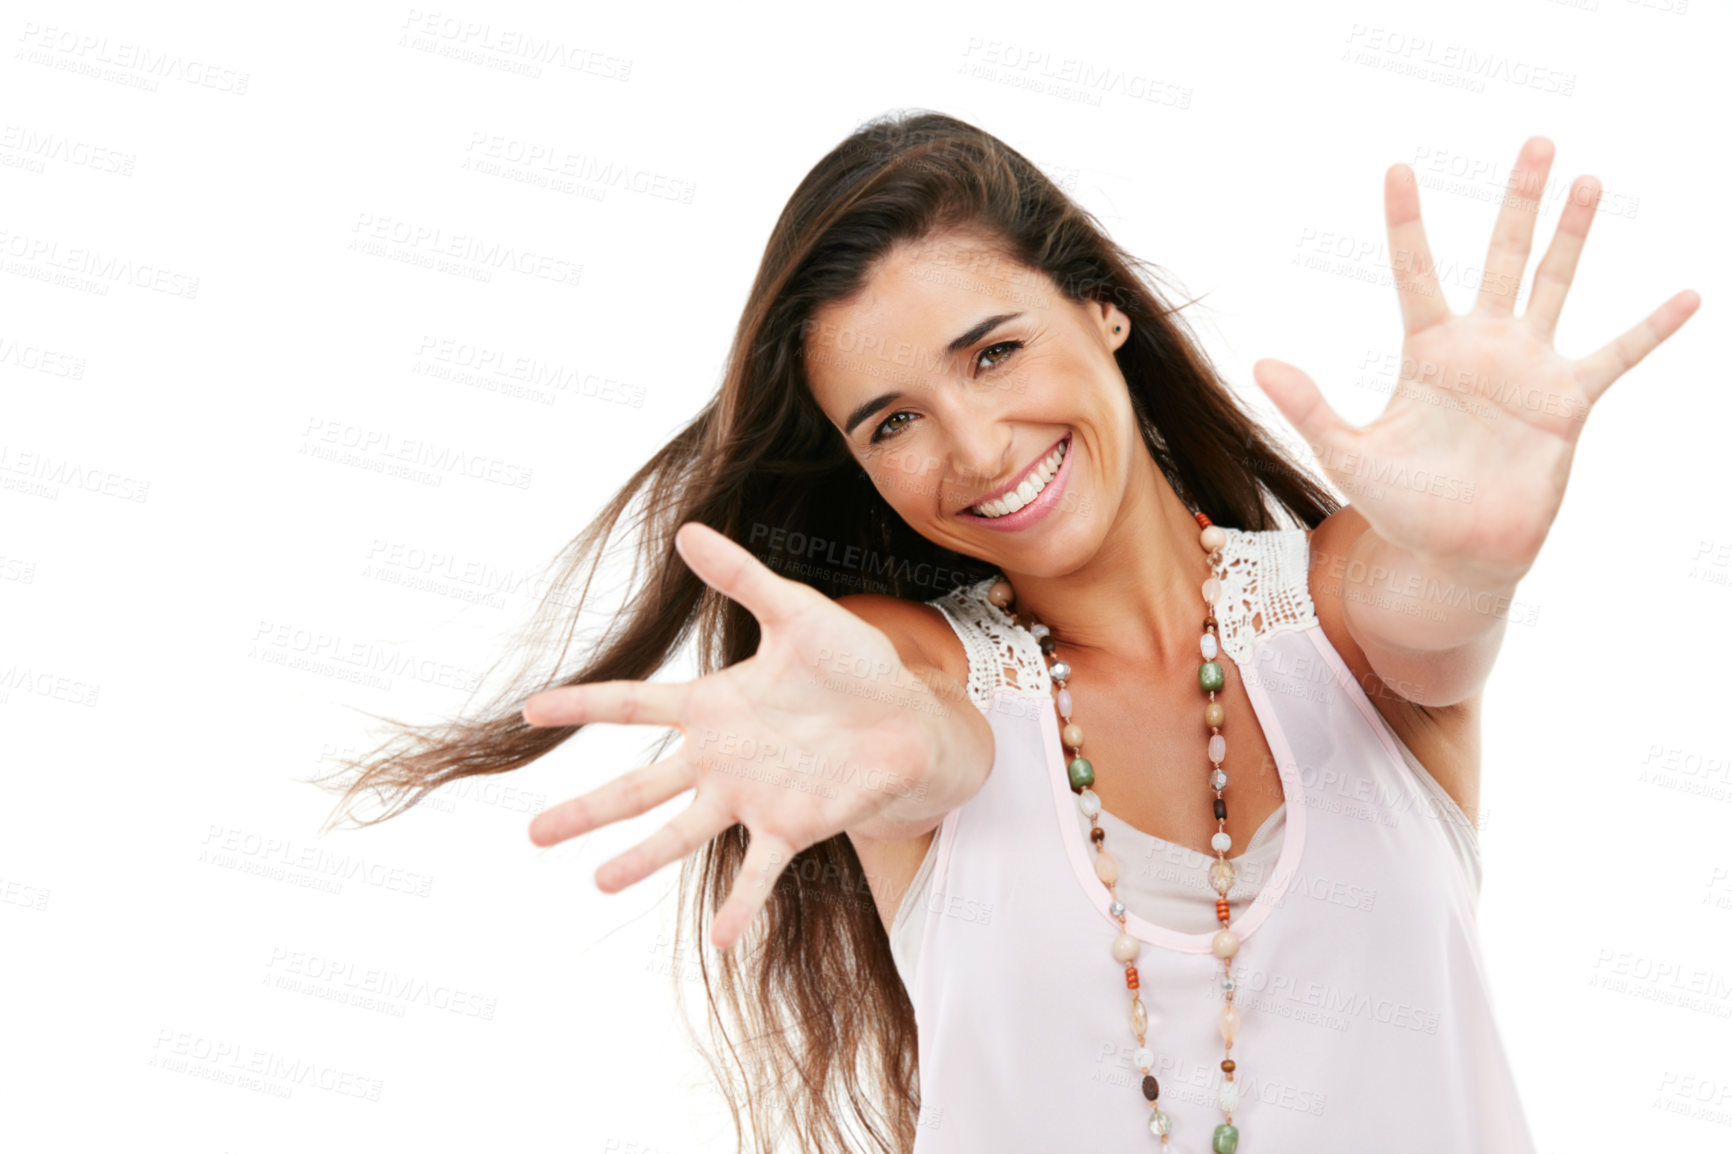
(1125, 947)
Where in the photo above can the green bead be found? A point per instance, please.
(1211, 677)
(1082, 773)
(1226, 1138)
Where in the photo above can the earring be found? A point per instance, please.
(1115, 328)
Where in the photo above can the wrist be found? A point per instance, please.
(952, 755)
(1421, 602)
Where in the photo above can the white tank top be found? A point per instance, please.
(1365, 1013)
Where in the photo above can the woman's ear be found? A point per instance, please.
(1114, 323)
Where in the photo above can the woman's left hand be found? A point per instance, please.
(1467, 464)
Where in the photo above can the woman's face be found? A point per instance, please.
(958, 376)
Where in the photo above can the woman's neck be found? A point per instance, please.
(1139, 598)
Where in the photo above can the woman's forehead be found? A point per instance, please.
(926, 292)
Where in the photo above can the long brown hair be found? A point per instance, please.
(810, 1020)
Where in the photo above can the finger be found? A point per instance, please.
(626, 796)
(1422, 303)
(1513, 233)
(1558, 267)
(766, 857)
(621, 702)
(695, 825)
(1301, 402)
(1597, 371)
(730, 568)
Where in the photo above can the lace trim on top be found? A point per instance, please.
(1265, 590)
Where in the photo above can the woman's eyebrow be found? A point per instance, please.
(866, 410)
(978, 331)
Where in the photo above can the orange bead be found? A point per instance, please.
(1221, 909)
(1203, 521)
(1130, 977)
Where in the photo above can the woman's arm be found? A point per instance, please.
(1429, 628)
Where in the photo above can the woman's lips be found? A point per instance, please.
(1044, 502)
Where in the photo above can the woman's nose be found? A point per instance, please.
(977, 457)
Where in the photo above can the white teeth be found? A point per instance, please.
(1025, 492)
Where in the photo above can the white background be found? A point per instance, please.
(149, 724)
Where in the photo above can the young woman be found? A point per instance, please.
(1088, 777)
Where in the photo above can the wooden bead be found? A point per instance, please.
(1220, 809)
(1228, 1065)
(1097, 835)
(1001, 594)
(1214, 715)
(1151, 1088)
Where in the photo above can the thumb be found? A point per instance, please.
(1301, 402)
(732, 570)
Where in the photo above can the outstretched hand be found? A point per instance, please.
(822, 731)
(1469, 460)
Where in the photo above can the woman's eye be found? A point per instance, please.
(879, 434)
(889, 429)
(1012, 346)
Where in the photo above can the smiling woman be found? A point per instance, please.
(1025, 502)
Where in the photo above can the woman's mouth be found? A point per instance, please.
(1032, 498)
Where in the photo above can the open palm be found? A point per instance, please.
(1470, 458)
(821, 731)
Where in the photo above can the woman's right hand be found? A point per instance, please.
(820, 732)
